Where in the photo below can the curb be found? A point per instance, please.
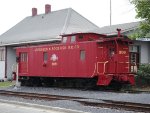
(58, 109)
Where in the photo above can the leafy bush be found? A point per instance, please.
(143, 75)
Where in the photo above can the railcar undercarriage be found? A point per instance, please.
(79, 83)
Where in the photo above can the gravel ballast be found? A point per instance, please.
(138, 98)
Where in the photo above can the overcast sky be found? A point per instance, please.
(97, 11)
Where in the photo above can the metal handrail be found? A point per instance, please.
(104, 67)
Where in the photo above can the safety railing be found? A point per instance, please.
(104, 67)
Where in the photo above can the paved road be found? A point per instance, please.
(28, 108)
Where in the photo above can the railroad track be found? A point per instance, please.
(84, 101)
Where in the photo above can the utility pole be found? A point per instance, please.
(110, 13)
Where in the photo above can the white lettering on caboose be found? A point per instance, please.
(57, 48)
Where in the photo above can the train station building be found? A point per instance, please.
(47, 28)
(39, 29)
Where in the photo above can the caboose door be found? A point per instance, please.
(23, 64)
(111, 58)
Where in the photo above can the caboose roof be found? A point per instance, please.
(103, 35)
(46, 27)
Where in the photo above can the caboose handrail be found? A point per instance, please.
(104, 70)
(94, 70)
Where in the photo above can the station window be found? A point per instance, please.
(45, 56)
(2, 54)
(133, 58)
(23, 57)
(82, 54)
(64, 40)
(73, 39)
(134, 48)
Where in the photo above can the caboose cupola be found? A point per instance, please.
(81, 37)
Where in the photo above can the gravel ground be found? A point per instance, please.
(129, 97)
(139, 98)
(68, 105)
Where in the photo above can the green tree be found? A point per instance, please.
(142, 8)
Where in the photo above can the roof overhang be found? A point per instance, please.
(143, 39)
(116, 38)
(31, 42)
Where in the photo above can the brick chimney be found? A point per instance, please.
(34, 11)
(47, 8)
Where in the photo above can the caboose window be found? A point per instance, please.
(80, 37)
(82, 55)
(73, 39)
(23, 57)
(45, 56)
(111, 52)
(64, 40)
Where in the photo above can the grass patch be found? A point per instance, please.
(146, 88)
(6, 84)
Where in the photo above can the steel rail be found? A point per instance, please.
(140, 107)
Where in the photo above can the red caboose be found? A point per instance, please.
(78, 56)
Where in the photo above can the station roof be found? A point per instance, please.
(111, 30)
(46, 27)
(143, 39)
